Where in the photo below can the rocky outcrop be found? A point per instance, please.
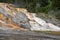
(19, 18)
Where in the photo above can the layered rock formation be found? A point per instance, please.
(10, 16)
(20, 18)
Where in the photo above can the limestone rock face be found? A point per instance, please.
(14, 17)
(21, 20)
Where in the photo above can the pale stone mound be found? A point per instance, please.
(12, 18)
(20, 18)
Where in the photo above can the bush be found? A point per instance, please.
(45, 8)
(56, 4)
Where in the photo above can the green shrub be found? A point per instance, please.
(46, 8)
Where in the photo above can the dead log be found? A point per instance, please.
(26, 35)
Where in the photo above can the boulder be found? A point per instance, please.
(21, 20)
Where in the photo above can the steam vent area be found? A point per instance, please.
(19, 24)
